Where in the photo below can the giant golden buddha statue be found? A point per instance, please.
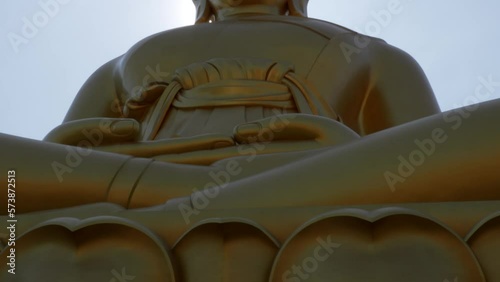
(257, 145)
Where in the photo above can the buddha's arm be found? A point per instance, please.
(97, 100)
(398, 91)
(96, 119)
(98, 96)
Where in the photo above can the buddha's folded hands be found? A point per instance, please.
(277, 134)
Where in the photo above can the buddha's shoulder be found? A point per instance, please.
(197, 33)
(195, 37)
(173, 37)
(329, 30)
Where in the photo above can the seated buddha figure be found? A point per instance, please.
(278, 109)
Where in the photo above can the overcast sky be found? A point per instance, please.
(456, 42)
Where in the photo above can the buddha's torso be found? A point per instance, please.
(311, 48)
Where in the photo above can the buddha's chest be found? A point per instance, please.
(281, 42)
(315, 59)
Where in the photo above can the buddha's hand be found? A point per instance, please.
(97, 131)
(299, 129)
(119, 135)
(278, 134)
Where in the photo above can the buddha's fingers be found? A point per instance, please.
(94, 132)
(294, 127)
(148, 149)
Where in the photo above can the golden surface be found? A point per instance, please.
(258, 145)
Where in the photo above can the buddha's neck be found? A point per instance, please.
(247, 10)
